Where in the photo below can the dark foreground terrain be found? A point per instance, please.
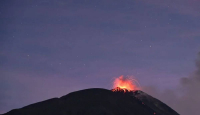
(98, 102)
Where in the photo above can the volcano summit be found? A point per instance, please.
(98, 101)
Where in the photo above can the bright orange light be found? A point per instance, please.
(125, 84)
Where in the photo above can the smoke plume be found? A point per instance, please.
(188, 100)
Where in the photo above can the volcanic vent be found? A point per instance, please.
(123, 84)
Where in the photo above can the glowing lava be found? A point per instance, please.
(124, 84)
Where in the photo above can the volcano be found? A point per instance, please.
(97, 101)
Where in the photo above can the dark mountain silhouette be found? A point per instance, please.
(98, 101)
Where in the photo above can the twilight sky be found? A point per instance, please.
(49, 48)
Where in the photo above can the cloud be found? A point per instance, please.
(186, 99)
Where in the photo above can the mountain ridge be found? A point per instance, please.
(98, 101)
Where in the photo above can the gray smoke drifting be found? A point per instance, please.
(187, 100)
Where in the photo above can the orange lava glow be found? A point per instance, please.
(124, 84)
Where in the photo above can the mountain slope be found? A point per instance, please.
(97, 102)
(154, 103)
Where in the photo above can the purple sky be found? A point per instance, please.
(49, 48)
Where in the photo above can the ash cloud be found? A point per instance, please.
(186, 99)
(195, 78)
